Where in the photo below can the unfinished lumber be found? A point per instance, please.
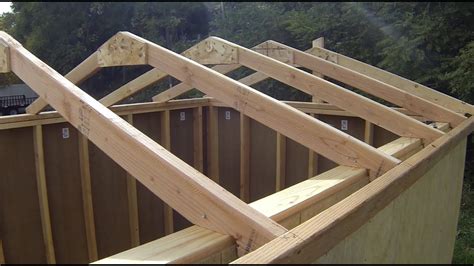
(43, 194)
(330, 142)
(87, 205)
(166, 142)
(4, 58)
(373, 86)
(244, 158)
(332, 93)
(294, 203)
(77, 75)
(369, 133)
(310, 240)
(192, 194)
(394, 80)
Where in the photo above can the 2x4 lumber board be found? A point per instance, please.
(369, 133)
(166, 142)
(311, 195)
(365, 108)
(78, 74)
(375, 87)
(43, 194)
(213, 143)
(87, 204)
(312, 133)
(280, 162)
(198, 139)
(183, 87)
(188, 191)
(133, 203)
(394, 80)
(315, 237)
(244, 158)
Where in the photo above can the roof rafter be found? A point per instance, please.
(370, 110)
(192, 194)
(365, 83)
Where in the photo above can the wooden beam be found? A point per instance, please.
(43, 194)
(133, 87)
(310, 240)
(133, 204)
(369, 133)
(192, 194)
(294, 203)
(4, 58)
(198, 139)
(213, 143)
(244, 158)
(332, 93)
(182, 88)
(280, 162)
(166, 142)
(77, 75)
(394, 80)
(312, 156)
(87, 203)
(120, 50)
(328, 141)
(375, 87)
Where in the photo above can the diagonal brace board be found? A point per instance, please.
(192, 194)
(370, 110)
(370, 85)
(332, 143)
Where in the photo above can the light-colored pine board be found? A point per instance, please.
(369, 133)
(244, 158)
(77, 75)
(87, 204)
(132, 203)
(394, 80)
(43, 194)
(198, 139)
(312, 239)
(166, 175)
(273, 113)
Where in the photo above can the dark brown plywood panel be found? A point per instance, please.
(150, 207)
(262, 160)
(109, 196)
(229, 150)
(296, 162)
(63, 178)
(383, 136)
(182, 143)
(20, 221)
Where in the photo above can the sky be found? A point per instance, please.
(5, 7)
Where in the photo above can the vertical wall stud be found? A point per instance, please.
(244, 157)
(213, 144)
(280, 162)
(166, 143)
(133, 203)
(198, 141)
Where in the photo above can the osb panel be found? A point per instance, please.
(63, 178)
(229, 150)
(20, 221)
(417, 227)
(182, 143)
(296, 162)
(150, 207)
(262, 160)
(109, 197)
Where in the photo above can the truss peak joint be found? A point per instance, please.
(321, 53)
(4, 58)
(276, 52)
(213, 52)
(122, 50)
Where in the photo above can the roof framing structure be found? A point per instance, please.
(195, 196)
